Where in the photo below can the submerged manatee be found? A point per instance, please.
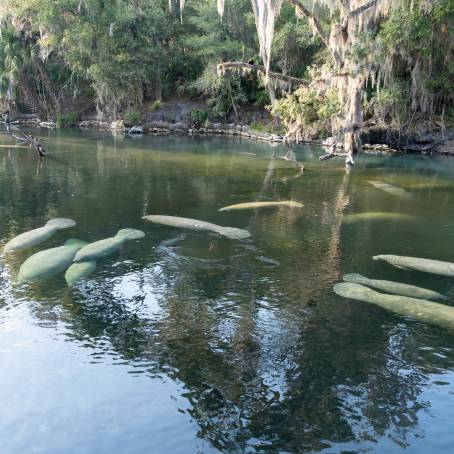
(46, 263)
(98, 249)
(193, 224)
(37, 236)
(395, 287)
(377, 215)
(421, 310)
(390, 189)
(253, 205)
(78, 271)
(418, 264)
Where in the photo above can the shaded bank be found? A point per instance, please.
(373, 138)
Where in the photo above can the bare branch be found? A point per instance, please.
(316, 22)
(238, 66)
(362, 9)
(332, 155)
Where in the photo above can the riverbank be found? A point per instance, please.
(374, 138)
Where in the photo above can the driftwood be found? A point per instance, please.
(22, 137)
(332, 155)
(290, 157)
(428, 147)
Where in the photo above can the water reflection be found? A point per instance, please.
(264, 357)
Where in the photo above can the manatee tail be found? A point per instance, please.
(61, 223)
(234, 233)
(292, 203)
(356, 278)
(78, 271)
(354, 291)
(75, 243)
(130, 234)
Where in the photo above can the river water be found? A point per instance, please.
(188, 342)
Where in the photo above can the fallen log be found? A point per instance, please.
(332, 155)
(21, 137)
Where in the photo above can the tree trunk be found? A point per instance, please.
(271, 92)
(353, 117)
(48, 86)
(157, 82)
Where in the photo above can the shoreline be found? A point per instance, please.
(444, 148)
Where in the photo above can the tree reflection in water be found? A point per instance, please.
(270, 361)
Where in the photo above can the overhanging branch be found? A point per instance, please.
(362, 9)
(315, 21)
(241, 66)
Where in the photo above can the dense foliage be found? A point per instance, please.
(120, 56)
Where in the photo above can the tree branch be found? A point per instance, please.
(238, 65)
(316, 22)
(332, 155)
(362, 9)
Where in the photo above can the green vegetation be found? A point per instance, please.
(67, 120)
(157, 104)
(306, 106)
(115, 57)
(198, 118)
(132, 118)
(267, 126)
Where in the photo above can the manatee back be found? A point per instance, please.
(61, 223)
(98, 249)
(29, 239)
(45, 264)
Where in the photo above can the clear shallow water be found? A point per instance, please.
(192, 343)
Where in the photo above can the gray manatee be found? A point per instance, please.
(396, 288)
(390, 189)
(49, 262)
(101, 248)
(421, 310)
(37, 236)
(269, 204)
(78, 271)
(418, 264)
(378, 216)
(194, 224)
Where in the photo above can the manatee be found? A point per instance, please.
(253, 205)
(418, 264)
(101, 248)
(396, 288)
(193, 224)
(421, 310)
(37, 236)
(390, 189)
(78, 271)
(47, 263)
(377, 215)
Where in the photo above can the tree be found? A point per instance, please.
(352, 65)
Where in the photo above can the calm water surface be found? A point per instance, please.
(189, 342)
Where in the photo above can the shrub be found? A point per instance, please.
(156, 105)
(267, 126)
(305, 106)
(198, 118)
(67, 120)
(132, 118)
